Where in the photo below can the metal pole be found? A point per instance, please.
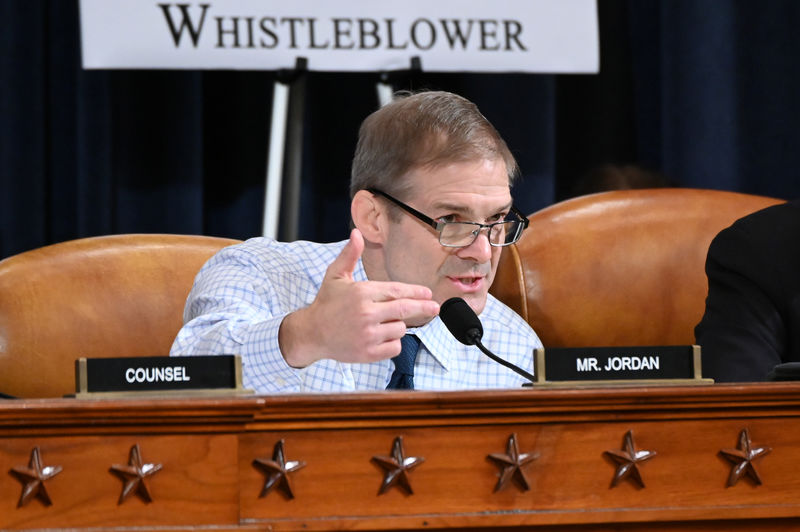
(277, 138)
(293, 166)
(277, 148)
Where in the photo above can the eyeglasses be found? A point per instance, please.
(463, 234)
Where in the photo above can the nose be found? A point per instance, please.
(479, 250)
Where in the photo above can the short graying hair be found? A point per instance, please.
(424, 129)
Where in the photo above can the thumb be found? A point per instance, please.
(344, 265)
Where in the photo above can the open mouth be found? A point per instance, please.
(467, 284)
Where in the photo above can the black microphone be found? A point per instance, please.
(464, 324)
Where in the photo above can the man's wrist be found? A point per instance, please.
(295, 341)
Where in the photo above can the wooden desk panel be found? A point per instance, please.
(197, 483)
(207, 446)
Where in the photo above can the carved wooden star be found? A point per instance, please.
(133, 475)
(511, 464)
(627, 461)
(397, 467)
(33, 477)
(277, 471)
(743, 457)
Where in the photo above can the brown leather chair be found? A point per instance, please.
(618, 268)
(107, 296)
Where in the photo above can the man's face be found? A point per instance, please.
(474, 191)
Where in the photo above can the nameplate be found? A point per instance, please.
(138, 375)
(671, 364)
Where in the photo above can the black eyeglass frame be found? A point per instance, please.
(439, 226)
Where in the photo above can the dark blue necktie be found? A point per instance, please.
(403, 376)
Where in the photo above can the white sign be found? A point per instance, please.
(345, 35)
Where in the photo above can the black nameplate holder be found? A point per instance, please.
(610, 366)
(137, 376)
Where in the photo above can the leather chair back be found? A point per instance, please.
(108, 296)
(618, 268)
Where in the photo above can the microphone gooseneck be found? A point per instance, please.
(464, 324)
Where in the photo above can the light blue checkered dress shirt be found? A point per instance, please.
(242, 294)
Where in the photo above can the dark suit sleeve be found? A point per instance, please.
(742, 333)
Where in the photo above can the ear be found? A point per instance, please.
(369, 216)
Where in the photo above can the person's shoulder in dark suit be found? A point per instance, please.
(752, 316)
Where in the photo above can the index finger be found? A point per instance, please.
(391, 290)
(406, 310)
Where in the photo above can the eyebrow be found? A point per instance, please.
(460, 209)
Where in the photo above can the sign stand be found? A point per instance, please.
(385, 85)
(285, 156)
(288, 100)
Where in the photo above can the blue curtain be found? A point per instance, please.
(717, 87)
(703, 91)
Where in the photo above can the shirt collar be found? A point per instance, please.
(439, 342)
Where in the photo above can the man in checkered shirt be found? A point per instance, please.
(431, 209)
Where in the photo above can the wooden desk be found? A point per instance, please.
(206, 448)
